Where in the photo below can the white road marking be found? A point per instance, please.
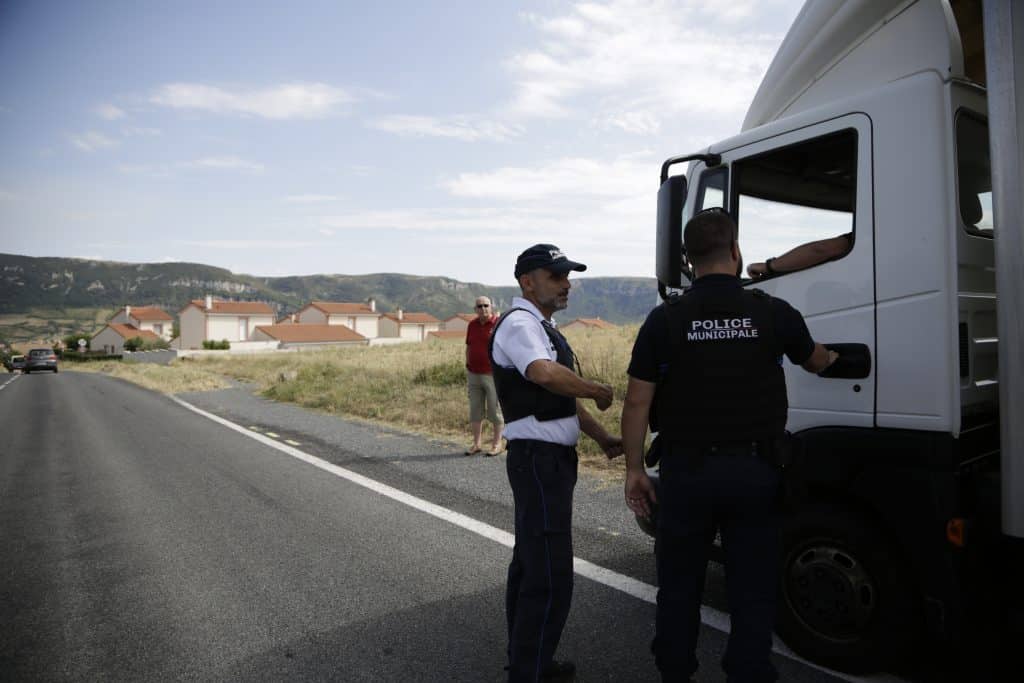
(709, 616)
(4, 385)
(293, 443)
(276, 436)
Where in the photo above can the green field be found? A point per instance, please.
(48, 324)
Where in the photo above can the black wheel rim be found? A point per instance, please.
(830, 591)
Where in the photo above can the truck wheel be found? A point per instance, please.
(846, 600)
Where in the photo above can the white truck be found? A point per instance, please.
(873, 121)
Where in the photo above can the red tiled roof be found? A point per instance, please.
(413, 318)
(234, 307)
(130, 331)
(148, 313)
(302, 333)
(593, 322)
(447, 334)
(468, 317)
(335, 307)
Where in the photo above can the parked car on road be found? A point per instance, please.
(41, 359)
(15, 363)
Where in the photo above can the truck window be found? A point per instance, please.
(795, 196)
(713, 189)
(973, 175)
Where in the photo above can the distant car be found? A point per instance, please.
(15, 363)
(40, 359)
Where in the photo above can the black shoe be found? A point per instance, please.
(558, 671)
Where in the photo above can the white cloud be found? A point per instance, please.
(326, 232)
(108, 112)
(638, 122)
(491, 221)
(461, 127)
(155, 170)
(311, 198)
(139, 131)
(641, 62)
(224, 163)
(561, 179)
(91, 141)
(285, 101)
(248, 244)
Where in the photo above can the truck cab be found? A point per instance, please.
(871, 125)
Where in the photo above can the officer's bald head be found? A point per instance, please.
(709, 237)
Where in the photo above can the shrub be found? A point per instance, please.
(443, 375)
(211, 345)
(71, 340)
(133, 344)
(155, 344)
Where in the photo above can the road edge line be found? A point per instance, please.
(636, 588)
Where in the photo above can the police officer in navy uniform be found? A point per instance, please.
(707, 367)
(538, 389)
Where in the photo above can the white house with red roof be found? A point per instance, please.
(408, 326)
(152, 318)
(448, 335)
(214, 320)
(309, 336)
(111, 338)
(360, 317)
(459, 322)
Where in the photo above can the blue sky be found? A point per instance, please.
(436, 138)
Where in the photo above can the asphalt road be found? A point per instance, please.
(142, 541)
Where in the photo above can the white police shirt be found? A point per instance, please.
(519, 341)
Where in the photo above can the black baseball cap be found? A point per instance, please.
(545, 256)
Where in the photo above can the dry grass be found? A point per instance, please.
(419, 387)
(168, 379)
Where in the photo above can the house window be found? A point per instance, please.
(243, 329)
(797, 195)
(158, 328)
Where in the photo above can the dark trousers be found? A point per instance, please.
(540, 577)
(735, 494)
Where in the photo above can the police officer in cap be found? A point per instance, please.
(538, 389)
(708, 365)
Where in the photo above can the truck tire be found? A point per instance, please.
(845, 597)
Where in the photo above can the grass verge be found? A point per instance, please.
(418, 387)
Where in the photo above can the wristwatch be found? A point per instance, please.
(768, 266)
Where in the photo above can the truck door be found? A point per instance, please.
(811, 189)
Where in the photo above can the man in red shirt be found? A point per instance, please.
(481, 384)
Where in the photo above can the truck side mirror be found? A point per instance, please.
(669, 245)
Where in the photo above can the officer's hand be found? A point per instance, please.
(612, 446)
(604, 396)
(640, 493)
(757, 270)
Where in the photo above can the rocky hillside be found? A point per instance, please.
(59, 285)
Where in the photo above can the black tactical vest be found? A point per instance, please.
(518, 396)
(724, 381)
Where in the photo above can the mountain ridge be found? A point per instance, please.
(62, 283)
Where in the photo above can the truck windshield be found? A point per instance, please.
(973, 175)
